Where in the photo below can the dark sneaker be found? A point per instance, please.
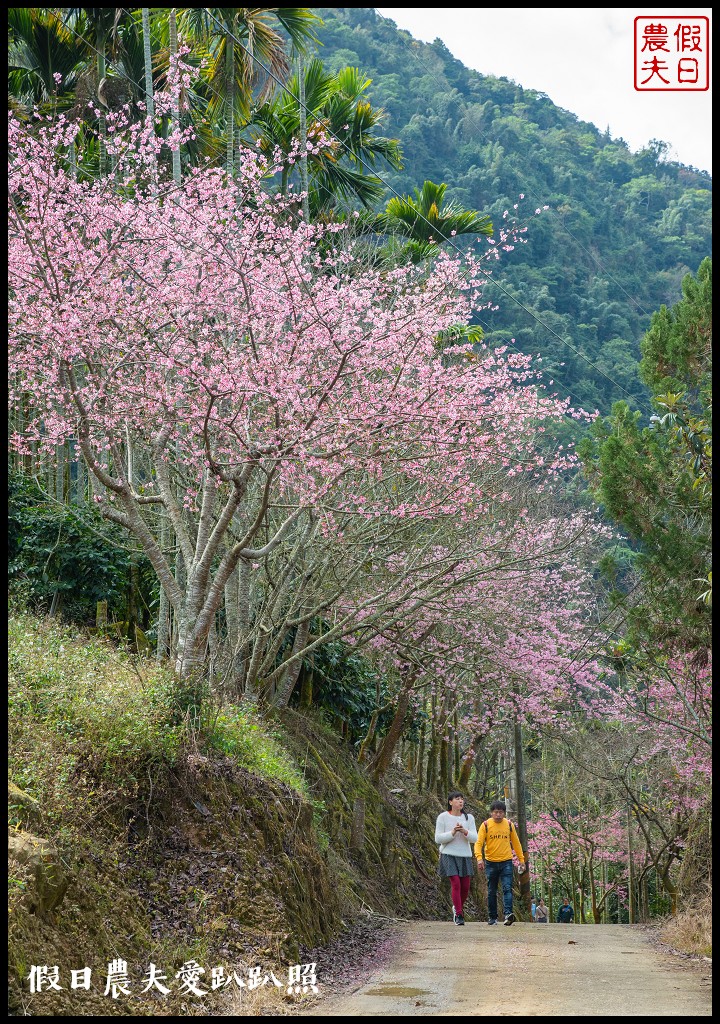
(460, 919)
(509, 919)
(494, 921)
(455, 916)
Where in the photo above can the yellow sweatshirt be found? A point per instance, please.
(496, 837)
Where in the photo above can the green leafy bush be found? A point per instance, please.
(87, 718)
(69, 553)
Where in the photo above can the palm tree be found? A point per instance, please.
(336, 106)
(425, 219)
(40, 47)
(101, 27)
(240, 41)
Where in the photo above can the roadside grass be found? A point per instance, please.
(233, 731)
(89, 718)
(691, 930)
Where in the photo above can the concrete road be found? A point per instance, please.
(526, 970)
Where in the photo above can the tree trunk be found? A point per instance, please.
(522, 814)
(431, 776)
(189, 658)
(420, 757)
(149, 96)
(72, 157)
(80, 479)
(175, 120)
(604, 915)
(369, 736)
(147, 54)
(306, 689)
(303, 141)
(631, 870)
(596, 913)
(670, 888)
(60, 472)
(180, 579)
(102, 133)
(443, 779)
(292, 670)
(357, 835)
(573, 880)
(163, 604)
(467, 765)
(231, 611)
(240, 652)
(456, 746)
(230, 102)
(384, 757)
(645, 911)
(132, 605)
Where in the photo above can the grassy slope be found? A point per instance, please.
(226, 841)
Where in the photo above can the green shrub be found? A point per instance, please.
(86, 717)
(70, 554)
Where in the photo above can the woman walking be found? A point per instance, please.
(455, 832)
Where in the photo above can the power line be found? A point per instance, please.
(535, 196)
(329, 131)
(283, 86)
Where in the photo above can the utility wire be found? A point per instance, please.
(528, 191)
(328, 131)
(283, 86)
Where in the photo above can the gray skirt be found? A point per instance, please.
(451, 865)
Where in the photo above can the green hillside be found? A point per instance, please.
(621, 231)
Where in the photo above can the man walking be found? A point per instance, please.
(565, 913)
(498, 836)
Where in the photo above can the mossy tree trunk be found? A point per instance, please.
(306, 686)
(384, 756)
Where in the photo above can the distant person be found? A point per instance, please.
(533, 906)
(455, 830)
(565, 913)
(542, 913)
(497, 838)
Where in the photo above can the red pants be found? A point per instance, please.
(459, 887)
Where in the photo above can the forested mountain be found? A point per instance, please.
(622, 229)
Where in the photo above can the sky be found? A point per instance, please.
(582, 58)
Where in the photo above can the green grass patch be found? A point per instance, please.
(112, 713)
(235, 733)
(88, 718)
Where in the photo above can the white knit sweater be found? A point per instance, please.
(458, 845)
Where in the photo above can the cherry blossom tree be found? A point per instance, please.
(229, 372)
(504, 644)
